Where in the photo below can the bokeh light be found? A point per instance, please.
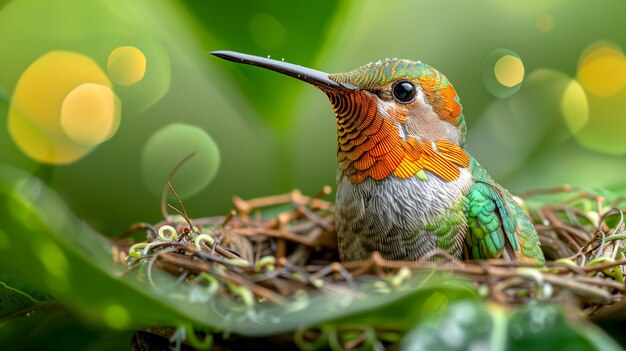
(119, 37)
(116, 316)
(602, 69)
(55, 263)
(90, 114)
(544, 22)
(267, 31)
(575, 107)
(34, 117)
(126, 65)
(41, 145)
(168, 147)
(509, 131)
(602, 75)
(604, 132)
(538, 103)
(509, 71)
(503, 73)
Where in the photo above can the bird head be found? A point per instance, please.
(391, 115)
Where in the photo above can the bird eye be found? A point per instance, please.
(404, 92)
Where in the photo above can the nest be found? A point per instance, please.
(271, 250)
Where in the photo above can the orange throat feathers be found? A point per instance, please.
(369, 145)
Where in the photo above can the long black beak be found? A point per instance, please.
(317, 78)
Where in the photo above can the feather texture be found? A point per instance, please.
(493, 215)
(370, 146)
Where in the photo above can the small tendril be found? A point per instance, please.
(212, 282)
(202, 238)
(136, 250)
(268, 263)
(167, 233)
(245, 294)
(195, 342)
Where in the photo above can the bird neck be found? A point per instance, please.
(369, 145)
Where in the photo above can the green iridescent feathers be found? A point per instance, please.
(380, 73)
(494, 219)
(484, 239)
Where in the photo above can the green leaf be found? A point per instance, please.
(44, 244)
(58, 329)
(48, 246)
(428, 298)
(470, 325)
(17, 295)
(552, 327)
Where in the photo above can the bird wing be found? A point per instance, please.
(496, 222)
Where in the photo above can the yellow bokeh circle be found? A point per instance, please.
(49, 118)
(126, 65)
(509, 70)
(503, 73)
(575, 107)
(602, 69)
(90, 114)
(43, 145)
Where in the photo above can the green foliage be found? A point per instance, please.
(59, 254)
(59, 329)
(16, 295)
(471, 325)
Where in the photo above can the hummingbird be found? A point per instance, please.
(407, 186)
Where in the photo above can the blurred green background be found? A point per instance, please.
(101, 99)
(542, 84)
